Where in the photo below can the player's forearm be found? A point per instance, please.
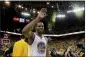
(30, 25)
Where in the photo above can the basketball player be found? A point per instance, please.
(20, 48)
(37, 45)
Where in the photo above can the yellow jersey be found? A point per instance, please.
(20, 49)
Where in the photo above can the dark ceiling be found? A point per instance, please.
(70, 22)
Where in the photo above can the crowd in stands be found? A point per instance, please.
(60, 47)
(67, 47)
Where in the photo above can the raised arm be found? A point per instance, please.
(27, 30)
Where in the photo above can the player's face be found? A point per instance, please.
(40, 27)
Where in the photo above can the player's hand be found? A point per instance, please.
(42, 13)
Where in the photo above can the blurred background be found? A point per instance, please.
(62, 17)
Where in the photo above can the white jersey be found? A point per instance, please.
(38, 48)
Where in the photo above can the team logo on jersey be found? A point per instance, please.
(41, 47)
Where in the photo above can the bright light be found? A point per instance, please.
(34, 11)
(69, 11)
(79, 9)
(6, 0)
(25, 14)
(48, 3)
(19, 6)
(7, 3)
(52, 6)
(60, 16)
(38, 12)
(76, 10)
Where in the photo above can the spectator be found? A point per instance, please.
(71, 52)
(8, 52)
(53, 53)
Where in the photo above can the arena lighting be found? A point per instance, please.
(52, 6)
(34, 11)
(48, 3)
(38, 12)
(54, 35)
(76, 10)
(25, 14)
(22, 20)
(60, 16)
(20, 6)
(7, 3)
